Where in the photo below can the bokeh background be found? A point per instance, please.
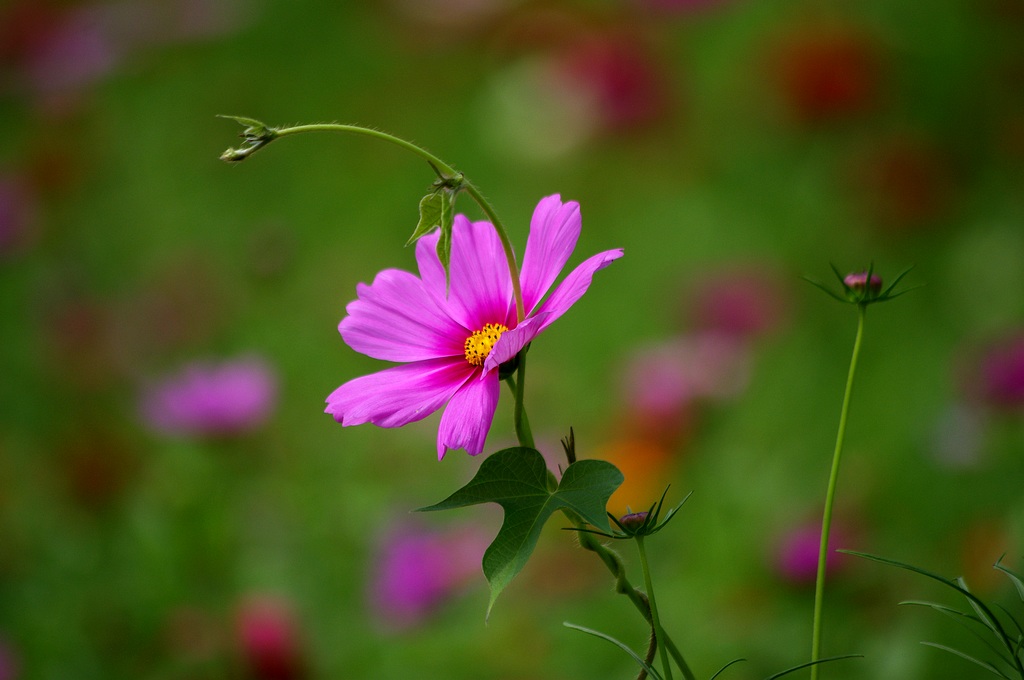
(173, 501)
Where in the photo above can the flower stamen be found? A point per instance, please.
(480, 344)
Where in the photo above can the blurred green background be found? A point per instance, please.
(730, 147)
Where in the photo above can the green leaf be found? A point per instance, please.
(959, 617)
(987, 666)
(1016, 579)
(517, 480)
(987, 617)
(811, 663)
(436, 212)
(723, 668)
(433, 208)
(621, 645)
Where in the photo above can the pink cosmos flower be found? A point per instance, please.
(450, 346)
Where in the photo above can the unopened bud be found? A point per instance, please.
(633, 521)
(858, 281)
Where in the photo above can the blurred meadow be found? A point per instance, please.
(174, 503)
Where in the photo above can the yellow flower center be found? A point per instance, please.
(480, 344)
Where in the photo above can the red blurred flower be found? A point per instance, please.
(903, 182)
(268, 637)
(827, 72)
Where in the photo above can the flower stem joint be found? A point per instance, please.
(255, 134)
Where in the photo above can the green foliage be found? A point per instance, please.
(436, 212)
(651, 672)
(518, 480)
(982, 621)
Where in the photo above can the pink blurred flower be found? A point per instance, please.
(661, 378)
(268, 637)
(212, 399)
(741, 304)
(417, 570)
(1000, 373)
(621, 76)
(664, 383)
(796, 560)
(57, 51)
(452, 342)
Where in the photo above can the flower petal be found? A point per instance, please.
(399, 395)
(575, 285)
(396, 319)
(563, 297)
(513, 340)
(468, 416)
(554, 230)
(481, 287)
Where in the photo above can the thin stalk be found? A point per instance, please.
(830, 494)
(446, 171)
(522, 423)
(613, 562)
(659, 632)
(524, 434)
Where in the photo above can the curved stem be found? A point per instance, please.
(652, 651)
(446, 170)
(659, 632)
(830, 494)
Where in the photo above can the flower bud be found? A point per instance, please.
(859, 281)
(633, 522)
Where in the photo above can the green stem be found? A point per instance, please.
(447, 172)
(830, 494)
(522, 423)
(659, 632)
(613, 562)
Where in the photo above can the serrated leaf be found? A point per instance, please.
(621, 645)
(517, 480)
